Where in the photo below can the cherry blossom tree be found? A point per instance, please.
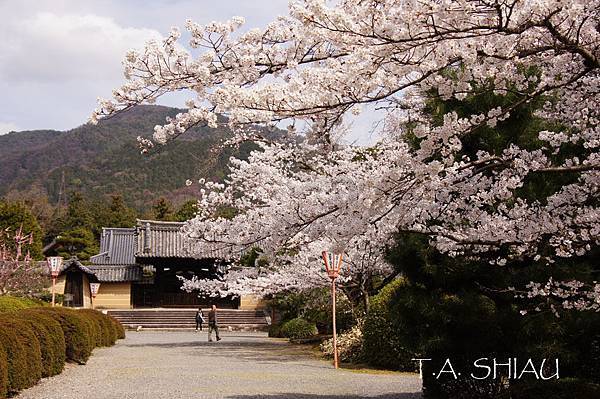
(19, 274)
(323, 63)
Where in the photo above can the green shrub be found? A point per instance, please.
(298, 328)
(15, 358)
(118, 327)
(96, 338)
(574, 338)
(92, 319)
(11, 303)
(3, 373)
(349, 344)
(566, 388)
(35, 342)
(382, 346)
(275, 331)
(46, 297)
(51, 337)
(105, 332)
(314, 305)
(80, 337)
(23, 354)
(110, 328)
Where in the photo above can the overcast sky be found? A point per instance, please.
(58, 56)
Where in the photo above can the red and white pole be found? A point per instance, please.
(335, 351)
(333, 266)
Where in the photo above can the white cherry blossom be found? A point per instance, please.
(321, 63)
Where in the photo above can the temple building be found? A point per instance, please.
(140, 267)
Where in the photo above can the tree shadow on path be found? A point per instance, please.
(315, 396)
(260, 350)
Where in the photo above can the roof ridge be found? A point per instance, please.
(159, 222)
(120, 229)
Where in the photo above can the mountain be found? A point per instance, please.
(104, 159)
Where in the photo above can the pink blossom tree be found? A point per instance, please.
(324, 63)
(19, 274)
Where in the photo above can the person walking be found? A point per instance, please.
(212, 323)
(199, 319)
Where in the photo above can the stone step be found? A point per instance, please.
(232, 327)
(256, 320)
(185, 318)
(224, 322)
(186, 315)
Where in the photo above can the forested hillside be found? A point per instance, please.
(104, 159)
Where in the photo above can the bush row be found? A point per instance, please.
(10, 303)
(36, 342)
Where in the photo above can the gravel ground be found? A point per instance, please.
(153, 364)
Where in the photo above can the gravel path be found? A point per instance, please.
(154, 364)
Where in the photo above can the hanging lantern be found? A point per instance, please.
(55, 264)
(94, 288)
(333, 264)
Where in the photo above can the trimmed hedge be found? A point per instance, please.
(51, 337)
(23, 354)
(103, 327)
(298, 328)
(118, 327)
(11, 303)
(3, 373)
(80, 338)
(35, 342)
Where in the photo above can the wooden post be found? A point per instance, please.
(335, 351)
(53, 289)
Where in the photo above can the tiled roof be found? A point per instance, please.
(120, 249)
(164, 240)
(112, 273)
(117, 247)
(160, 239)
(73, 263)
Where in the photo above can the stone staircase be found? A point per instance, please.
(185, 318)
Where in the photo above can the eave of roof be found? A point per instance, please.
(75, 264)
(117, 274)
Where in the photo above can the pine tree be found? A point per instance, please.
(162, 209)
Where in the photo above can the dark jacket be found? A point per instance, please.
(212, 317)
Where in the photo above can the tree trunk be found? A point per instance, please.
(366, 300)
